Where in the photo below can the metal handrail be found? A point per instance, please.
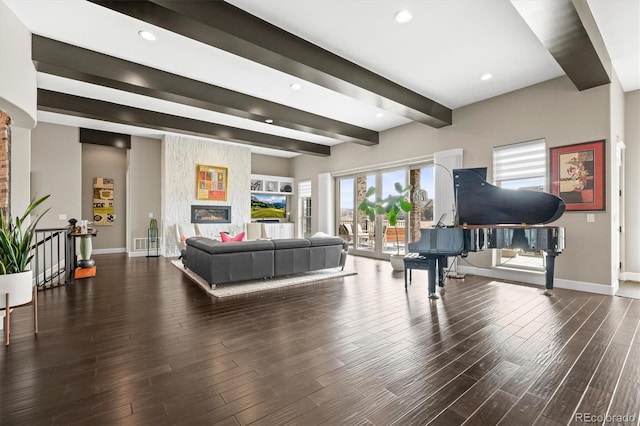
(52, 256)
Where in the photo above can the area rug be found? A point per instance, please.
(248, 287)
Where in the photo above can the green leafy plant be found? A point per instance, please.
(390, 207)
(15, 242)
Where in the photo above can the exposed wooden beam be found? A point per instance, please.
(229, 28)
(65, 60)
(559, 27)
(100, 137)
(107, 111)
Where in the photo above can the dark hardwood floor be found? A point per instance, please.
(140, 344)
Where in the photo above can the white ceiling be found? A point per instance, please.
(440, 54)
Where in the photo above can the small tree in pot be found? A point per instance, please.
(390, 207)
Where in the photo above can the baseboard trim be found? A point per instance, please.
(538, 278)
(630, 276)
(109, 251)
(143, 254)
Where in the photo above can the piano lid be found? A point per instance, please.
(480, 203)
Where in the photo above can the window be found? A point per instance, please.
(304, 208)
(520, 166)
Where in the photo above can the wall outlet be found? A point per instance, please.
(591, 217)
(62, 217)
(151, 215)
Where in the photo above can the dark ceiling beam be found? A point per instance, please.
(224, 26)
(559, 27)
(65, 60)
(106, 111)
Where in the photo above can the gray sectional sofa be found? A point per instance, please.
(221, 263)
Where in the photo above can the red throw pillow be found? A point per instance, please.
(227, 238)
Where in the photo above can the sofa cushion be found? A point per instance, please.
(325, 241)
(212, 246)
(291, 243)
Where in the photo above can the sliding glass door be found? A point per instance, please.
(368, 237)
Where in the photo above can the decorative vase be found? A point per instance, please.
(397, 262)
(153, 230)
(19, 286)
(86, 247)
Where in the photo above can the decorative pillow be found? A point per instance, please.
(227, 238)
(321, 234)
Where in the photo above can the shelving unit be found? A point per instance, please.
(272, 184)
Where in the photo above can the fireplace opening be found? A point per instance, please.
(210, 214)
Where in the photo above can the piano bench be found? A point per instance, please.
(421, 261)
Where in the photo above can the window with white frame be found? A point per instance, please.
(520, 166)
(304, 208)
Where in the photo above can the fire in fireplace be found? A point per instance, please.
(210, 214)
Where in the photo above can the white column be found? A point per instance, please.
(325, 204)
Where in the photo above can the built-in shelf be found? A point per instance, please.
(272, 184)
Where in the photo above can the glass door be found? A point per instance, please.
(373, 238)
(394, 238)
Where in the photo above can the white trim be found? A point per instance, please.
(630, 276)
(137, 253)
(389, 165)
(537, 278)
(110, 250)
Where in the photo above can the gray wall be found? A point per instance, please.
(553, 110)
(632, 185)
(269, 165)
(144, 186)
(56, 169)
(106, 162)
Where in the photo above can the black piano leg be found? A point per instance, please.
(442, 264)
(431, 269)
(551, 264)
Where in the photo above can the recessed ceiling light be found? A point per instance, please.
(486, 77)
(295, 86)
(403, 16)
(268, 121)
(147, 35)
(380, 115)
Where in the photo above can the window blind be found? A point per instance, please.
(519, 161)
(304, 189)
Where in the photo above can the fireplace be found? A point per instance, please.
(210, 214)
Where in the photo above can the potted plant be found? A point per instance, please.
(390, 207)
(15, 255)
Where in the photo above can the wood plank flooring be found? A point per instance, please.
(140, 344)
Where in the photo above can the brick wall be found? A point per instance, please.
(414, 226)
(5, 149)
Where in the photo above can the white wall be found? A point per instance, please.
(180, 155)
(17, 73)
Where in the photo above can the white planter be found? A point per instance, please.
(397, 262)
(19, 286)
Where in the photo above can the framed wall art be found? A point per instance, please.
(211, 182)
(103, 207)
(578, 175)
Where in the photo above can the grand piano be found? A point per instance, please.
(489, 217)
